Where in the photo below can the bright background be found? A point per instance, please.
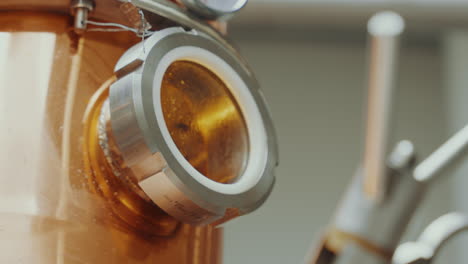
(309, 57)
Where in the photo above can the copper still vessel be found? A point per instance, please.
(50, 208)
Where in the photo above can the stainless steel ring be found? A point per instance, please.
(139, 136)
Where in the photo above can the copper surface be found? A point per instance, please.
(48, 213)
(106, 10)
(204, 121)
(337, 240)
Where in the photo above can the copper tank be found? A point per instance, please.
(49, 210)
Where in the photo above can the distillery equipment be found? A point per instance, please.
(130, 131)
(390, 184)
(133, 130)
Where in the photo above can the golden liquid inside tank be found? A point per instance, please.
(205, 121)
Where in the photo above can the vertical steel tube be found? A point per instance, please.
(371, 218)
(385, 29)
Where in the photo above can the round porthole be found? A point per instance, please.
(193, 125)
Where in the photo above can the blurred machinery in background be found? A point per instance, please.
(389, 185)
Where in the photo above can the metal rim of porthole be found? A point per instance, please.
(140, 131)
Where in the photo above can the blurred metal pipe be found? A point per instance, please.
(372, 216)
(385, 29)
(445, 156)
(365, 230)
(433, 238)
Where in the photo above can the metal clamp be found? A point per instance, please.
(142, 136)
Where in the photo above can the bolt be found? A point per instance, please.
(80, 9)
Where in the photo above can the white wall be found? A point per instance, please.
(315, 88)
